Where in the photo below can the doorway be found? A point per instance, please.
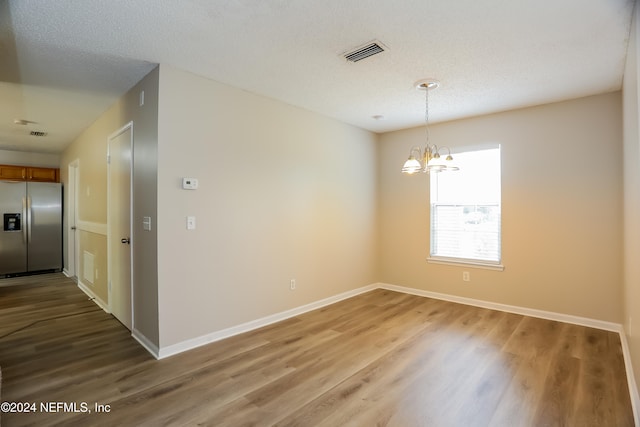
(119, 245)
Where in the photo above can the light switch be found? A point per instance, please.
(191, 223)
(146, 223)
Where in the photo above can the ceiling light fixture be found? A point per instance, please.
(428, 159)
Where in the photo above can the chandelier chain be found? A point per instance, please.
(426, 113)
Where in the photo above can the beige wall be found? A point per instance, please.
(561, 209)
(284, 194)
(145, 203)
(90, 150)
(632, 199)
(288, 194)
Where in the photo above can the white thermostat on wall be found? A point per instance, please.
(190, 183)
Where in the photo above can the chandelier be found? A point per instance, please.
(428, 159)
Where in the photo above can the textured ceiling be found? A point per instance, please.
(64, 62)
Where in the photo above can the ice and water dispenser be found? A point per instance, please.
(12, 222)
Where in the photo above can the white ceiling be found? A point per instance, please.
(64, 62)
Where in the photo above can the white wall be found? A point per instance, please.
(23, 158)
(561, 209)
(284, 193)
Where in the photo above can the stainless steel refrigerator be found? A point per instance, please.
(31, 235)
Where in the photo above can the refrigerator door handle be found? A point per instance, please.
(24, 218)
(29, 218)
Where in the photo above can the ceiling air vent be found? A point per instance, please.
(37, 133)
(370, 49)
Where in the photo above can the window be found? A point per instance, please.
(465, 211)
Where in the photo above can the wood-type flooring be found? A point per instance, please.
(378, 359)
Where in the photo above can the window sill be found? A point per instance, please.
(466, 263)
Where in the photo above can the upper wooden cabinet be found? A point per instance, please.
(27, 173)
(13, 172)
(43, 174)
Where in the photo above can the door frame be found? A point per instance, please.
(73, 257)
(123, 129)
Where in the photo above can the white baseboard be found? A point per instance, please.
(146, 343)
(631, 379)
(137, 335)
(70, 276)
(258, 323)
(87, 290)
(163, 352)
(532, 312)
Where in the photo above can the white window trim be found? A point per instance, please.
(465, 262)
(487, 265)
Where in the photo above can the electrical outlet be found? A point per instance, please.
(292, 284)
(466, 276)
